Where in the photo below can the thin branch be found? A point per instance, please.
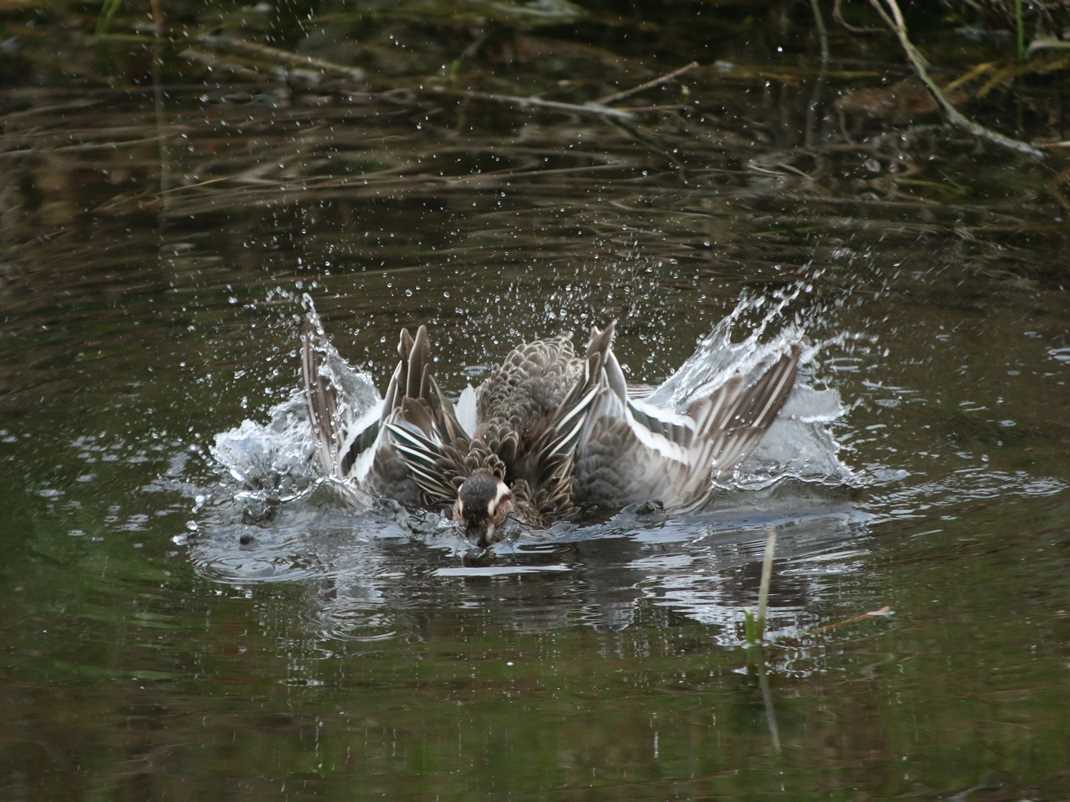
(883, 612)
(605, 101)
(652, 109)
(883, 14)
(837, 14)
(1046, 43)
(281, 56)
(767, 575)
(954, 116)
(822, 31)
(638, 136)
(596, 109)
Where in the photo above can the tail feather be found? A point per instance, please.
(419, 362)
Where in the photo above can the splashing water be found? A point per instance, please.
(279, 460)
(799, 445)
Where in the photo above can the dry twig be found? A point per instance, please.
(891, 14)
(281, 56)
(837, 14)
(605, 101)
(883, 612)
(596, 109)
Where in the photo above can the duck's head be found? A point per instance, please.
(483, 502)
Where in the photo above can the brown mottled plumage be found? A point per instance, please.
(547, 431)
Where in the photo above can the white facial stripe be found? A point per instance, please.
(503, 492)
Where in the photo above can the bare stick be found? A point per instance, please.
(770, 710)
(837, 14)
(822, 31)
(954, 116)
(283, 56)
(883, 612)
(1046, 43)
(596, 109)
(635, 90)
(767, 575)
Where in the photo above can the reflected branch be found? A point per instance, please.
(883, 612)
(767, 702)
(767, 576)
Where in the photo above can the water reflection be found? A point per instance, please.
(363, 571)
(161, 645)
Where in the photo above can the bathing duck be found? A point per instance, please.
(549, 433)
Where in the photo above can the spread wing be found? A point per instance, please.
(407, 445)
(629, 450)
(334, 394)
(423, 431)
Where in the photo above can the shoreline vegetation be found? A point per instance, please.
(887, 83)
(998, 47)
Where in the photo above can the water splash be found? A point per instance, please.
(800, 444)
(278, 460)
(367, 555)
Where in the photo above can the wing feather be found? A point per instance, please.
(631, 451)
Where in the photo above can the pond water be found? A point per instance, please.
(163, 214)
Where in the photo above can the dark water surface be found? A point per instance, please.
(156, 241)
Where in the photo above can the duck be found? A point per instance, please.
(551, 434)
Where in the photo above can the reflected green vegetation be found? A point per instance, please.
(176, 175)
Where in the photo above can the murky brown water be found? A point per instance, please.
(155, 248)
